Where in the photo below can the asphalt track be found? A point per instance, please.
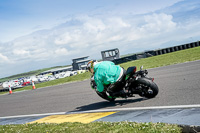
(178, 84)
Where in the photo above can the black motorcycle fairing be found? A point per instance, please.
(131, 70)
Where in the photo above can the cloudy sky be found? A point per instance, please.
(37, 34)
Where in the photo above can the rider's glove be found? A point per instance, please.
(93, 85)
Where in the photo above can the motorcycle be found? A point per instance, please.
(136, 82)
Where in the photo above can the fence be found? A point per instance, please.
(156, 52)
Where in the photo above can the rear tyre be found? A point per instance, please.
(149, 89)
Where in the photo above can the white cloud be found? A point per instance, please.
(158, 23)
(63, 39)
(93, 32)
(93, 25)
(41, 54)
(118, 22)
(20, 52)
(115, 38)
(4, 59)
(61, 51)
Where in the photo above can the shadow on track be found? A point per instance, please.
(105, 104)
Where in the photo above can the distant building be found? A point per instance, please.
(80, 63)
(57, 70)
(110, 55)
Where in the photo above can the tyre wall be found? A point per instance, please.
(156, 52)
(177, 48)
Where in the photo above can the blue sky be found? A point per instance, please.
(37, 34)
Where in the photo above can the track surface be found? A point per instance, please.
(178, 84)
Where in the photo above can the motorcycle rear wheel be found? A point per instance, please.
(149, 88)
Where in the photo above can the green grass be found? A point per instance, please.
(94, 127)
(191, 54)
(166, 59)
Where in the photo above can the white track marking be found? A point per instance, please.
(145, 108)
(108, 110)
(33, 115)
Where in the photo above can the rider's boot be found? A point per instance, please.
(123, 93)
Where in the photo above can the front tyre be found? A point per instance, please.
(148, 88)
(105, 96)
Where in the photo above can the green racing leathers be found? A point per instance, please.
(105, 73)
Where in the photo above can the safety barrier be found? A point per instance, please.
(125, 59)
(156, 52)
(177, 48)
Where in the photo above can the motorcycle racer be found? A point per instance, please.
(108, 76)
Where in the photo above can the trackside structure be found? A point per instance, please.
(109, 55)
(57, 70)
(80, 63)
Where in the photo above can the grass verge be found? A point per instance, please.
(94, 127)
(166, 59)
(191, 54)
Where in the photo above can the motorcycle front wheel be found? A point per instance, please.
(105, 96)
